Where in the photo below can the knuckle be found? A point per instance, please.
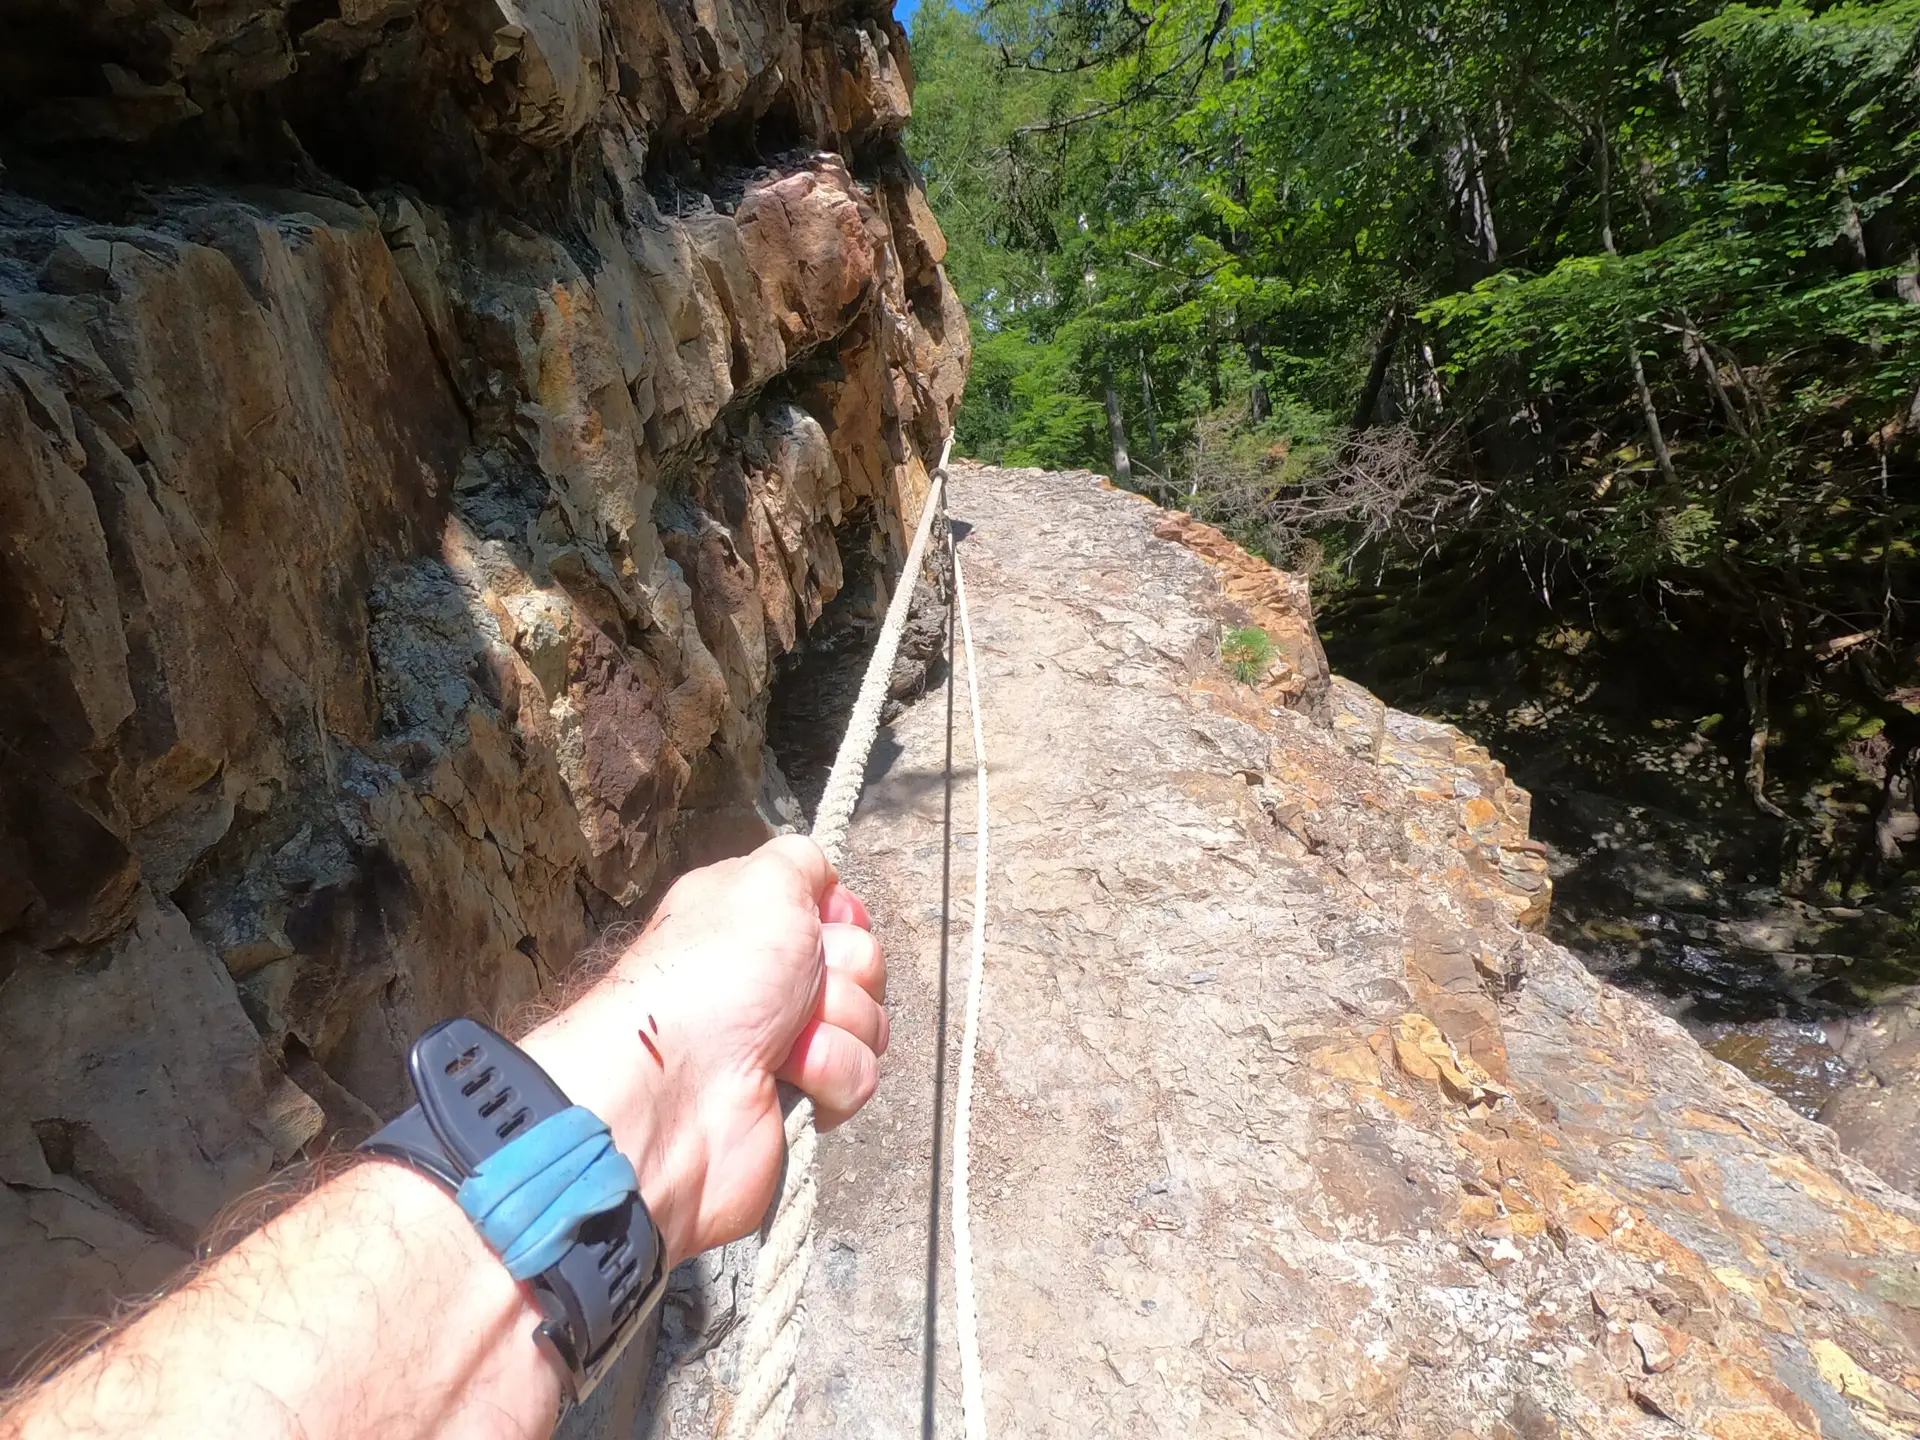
(873, 1022)
(857, 1071)
(797, 855)
(867, 1077)
(857, 955)
(869, 964)
(770, 867)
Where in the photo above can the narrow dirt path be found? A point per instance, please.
(1283, 1127)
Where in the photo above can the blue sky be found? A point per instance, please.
(903, 10)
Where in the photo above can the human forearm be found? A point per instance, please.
(374, 1308)
(371, 1308)
(319, 1315)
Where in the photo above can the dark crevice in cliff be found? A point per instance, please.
(302, 138)
(816, 683)
(716, 168)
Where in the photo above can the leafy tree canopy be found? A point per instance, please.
(1618, 302)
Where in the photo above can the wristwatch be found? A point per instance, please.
(478, 1091)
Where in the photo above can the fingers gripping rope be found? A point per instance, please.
(772, 1340)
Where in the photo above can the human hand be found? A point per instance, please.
(751, 971)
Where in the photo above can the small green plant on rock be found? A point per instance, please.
(1248, 651)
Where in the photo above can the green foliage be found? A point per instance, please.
(1023, 407)
(1633, 292)
(1248, 652)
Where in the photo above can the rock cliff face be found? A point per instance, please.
(428, 424)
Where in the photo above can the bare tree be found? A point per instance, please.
(1117, 433)
(1383, 481)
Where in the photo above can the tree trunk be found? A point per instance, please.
(1655, 435)
(1259, 404)
(1850, 226)
(1146, 395)
(1377, 373)
(1662, 456)
(1472, 200)
(1720, 148)
(1603, 164)
(1117, 431)
(1603, 148)
(1709, 367)
(1432, 392)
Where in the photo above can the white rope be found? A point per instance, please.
(973, 1404)
(842, 792)
(771, 1343)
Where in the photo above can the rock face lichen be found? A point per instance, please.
(426, 426)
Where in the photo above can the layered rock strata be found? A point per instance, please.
(428, 428)
(1473, 829)
(1283, 1125)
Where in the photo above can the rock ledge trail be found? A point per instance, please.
(1286, 1123)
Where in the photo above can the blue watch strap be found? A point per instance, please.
(567, 1198)
(530, 1198)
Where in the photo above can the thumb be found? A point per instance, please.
(800, 854)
